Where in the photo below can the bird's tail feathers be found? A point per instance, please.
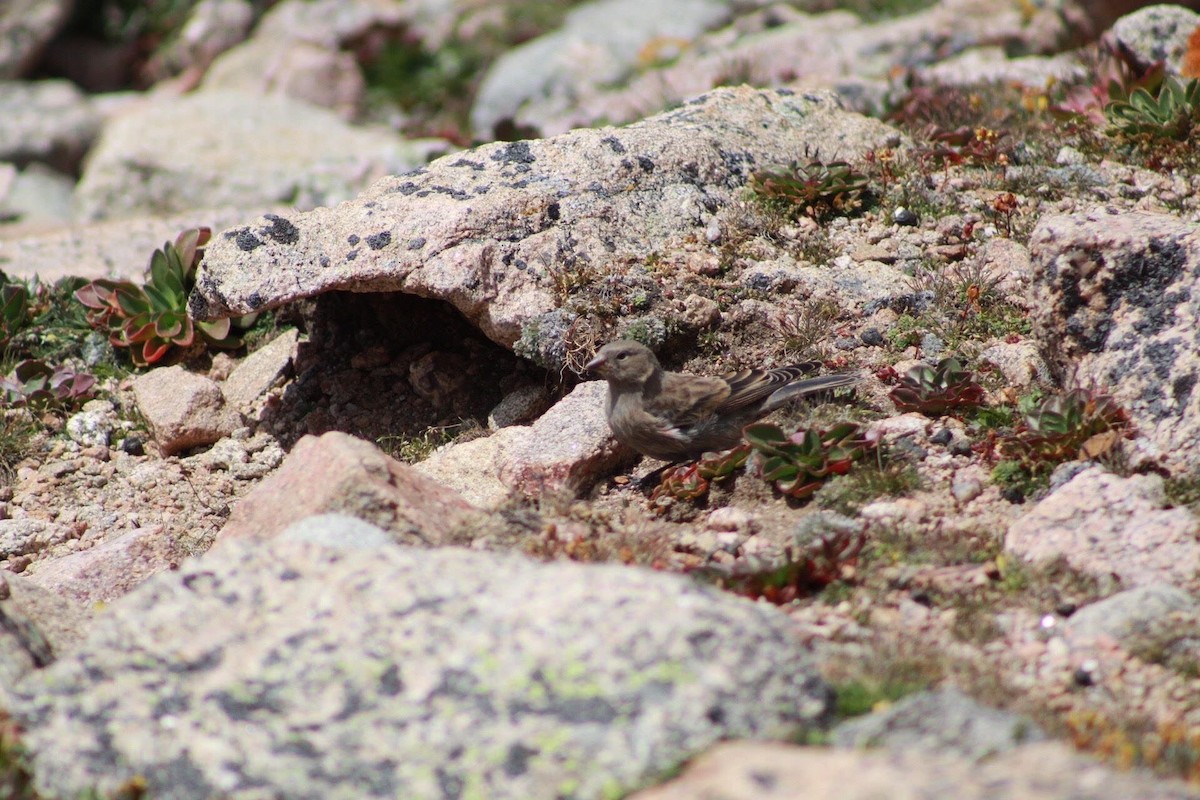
(802, 388)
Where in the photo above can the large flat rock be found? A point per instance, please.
(499, 230)
(294, 669)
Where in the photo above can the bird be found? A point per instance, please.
(677, 417)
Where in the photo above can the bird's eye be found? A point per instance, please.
(622, 356)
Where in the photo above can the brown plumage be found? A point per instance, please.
(674, 416)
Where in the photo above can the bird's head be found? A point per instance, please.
(625, 363)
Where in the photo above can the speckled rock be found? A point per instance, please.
(119, 249)
(567, 448)
(765, 771)
(48, 121)
(25, 28)
(1118, 308)
(292, 669)
(779, 45)
(335, 24)
(562, 453)
(234, 148)
(472, 468)
(600, 43)
(489, 230)
(259, 371)
(1127, 614)
(22, 536)
(298, 70)
(337, 473)
(108, 570)
(942, 722)
(183, 409)
(36, 626)
(1105, 525)
(1156, 33)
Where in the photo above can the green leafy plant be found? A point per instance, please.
(152, 318)
(799, 464)
(937, 390)
(14, 307)
(1081, 422)
(798, 574)
(35, 383)
(692, 481)
(816, 189)
(1168, 111)
(1111, 74)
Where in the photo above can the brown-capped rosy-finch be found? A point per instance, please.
(674, 416)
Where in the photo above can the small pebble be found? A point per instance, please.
(872, 337)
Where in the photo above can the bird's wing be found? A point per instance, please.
(819, 383)
(687, 399)
(752, 385)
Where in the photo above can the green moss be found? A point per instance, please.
(861, 696)
(418, 447)
(1183, 491)
(650, 331)
(1015, 475)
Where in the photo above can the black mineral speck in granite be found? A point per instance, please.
(417, 244)
(325, 262)
(614, 143)
(516, 763)
(766, 781)
(280, 230)
(1182, 388)
(514, 153)
(247, 241)
(241, 709)
(450, 784)
(352, 239)
(646, 163)
(390, 683)
(255, 301)
(553, 211)
(379, 240)
(180, 778)
(1162, 356)
(353, 254)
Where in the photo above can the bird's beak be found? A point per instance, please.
(595, 363)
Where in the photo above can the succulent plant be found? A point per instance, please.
(816, 189)
(691, 481)
(937, 390)
(1168, 112)
(152, 318)
(799, 464)
(1060, 427)
(794, 576)
(35, 383)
